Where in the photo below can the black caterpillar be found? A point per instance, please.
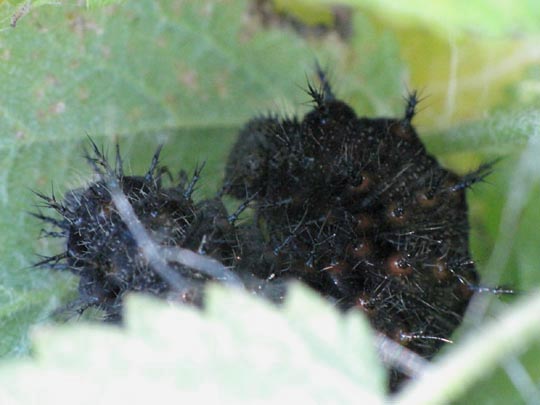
(110, 257)
(354, 207)
(358, 209)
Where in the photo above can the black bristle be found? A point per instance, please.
(354, 207)
(358, 209)
(102, 249)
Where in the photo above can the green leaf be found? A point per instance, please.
(13, 11)
(455, 18)
(186, 74)
(177, 352)
(500, 133)
(452, 374)
(189, 74)
(463, 56)
(101, 3)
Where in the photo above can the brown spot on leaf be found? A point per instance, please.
(189, 78)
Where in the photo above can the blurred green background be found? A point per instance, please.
(189, 74)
